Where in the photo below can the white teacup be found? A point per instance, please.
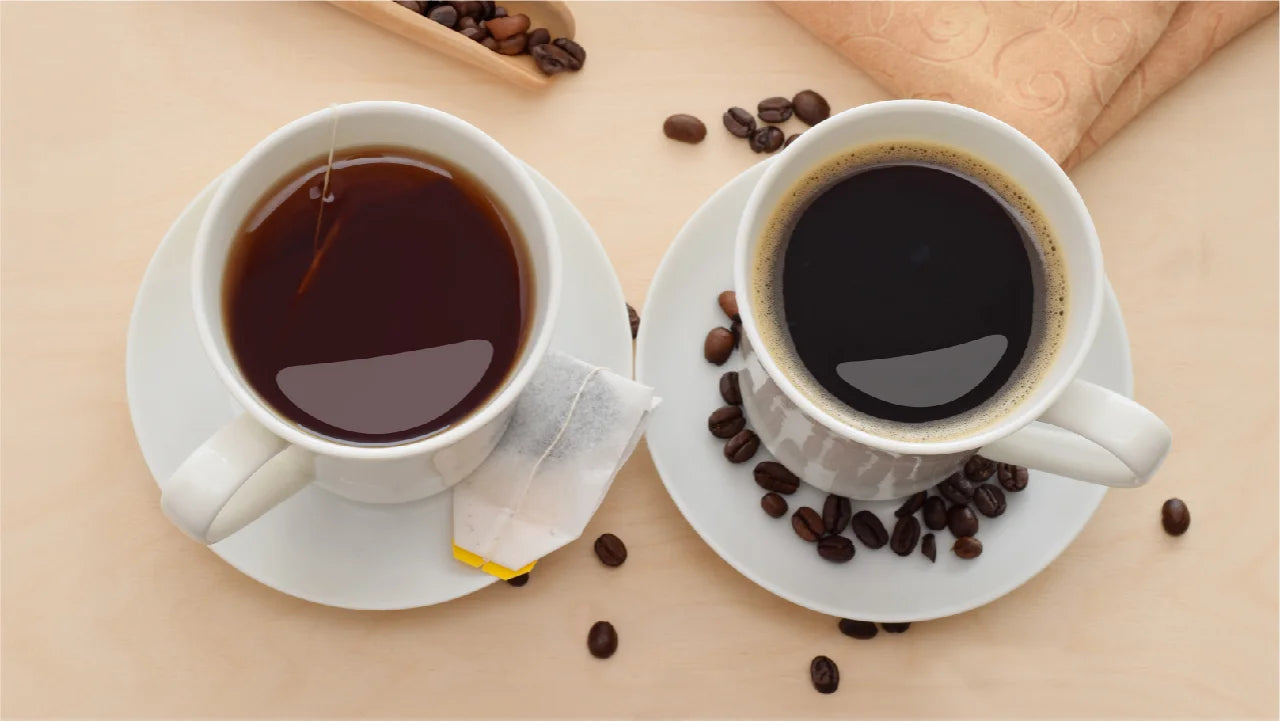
(262, 458)
(1065, 426)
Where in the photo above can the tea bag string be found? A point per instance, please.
(533, 470)
(317, 247)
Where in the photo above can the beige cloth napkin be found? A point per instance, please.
(1068, 74)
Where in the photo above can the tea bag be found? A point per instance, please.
(573, 427)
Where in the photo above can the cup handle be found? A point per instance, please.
(240, 473)
(1091, 434)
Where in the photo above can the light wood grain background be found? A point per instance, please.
(113, 115)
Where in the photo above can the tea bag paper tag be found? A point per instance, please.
(573, 427)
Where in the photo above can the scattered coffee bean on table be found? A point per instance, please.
(634, 317)
(774, 505)
(978, 469)
(739, 122)
(736, 329)
(837, 549)
(602, 639)
(773, 476)
(810, 107)
(539, 36)
(837, 511)
(962, 521)
(774, 110)
(896, 627)
(742, 447)
(726, 422)
(929, 547)
(1175, 516)
(989, 500)
(575, 51)
(681, 127)
(728, 301)
(868, 528)
(807, 524)
(766, 139)
(967, 547)
(611, 550)
(518, 581)
(551, 60)
(912, 504)
(824, 674)
(956, 488)
(790, 139)
(729, 389)
(1012, 478)
(935, 513)
(718, 346)
(906, 533)
(862, 630)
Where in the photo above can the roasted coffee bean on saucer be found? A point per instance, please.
(807, 524)
(726, 422)
(837, 549)
(962, 521)
(718, 346)
(934, 513)
(773, 476)
(1012, 478)
(956, 488)
(837, 511)
(913, 503)
(929, 547)
(868, 528)
(978, 469)
(967, 547)
(989, 500)
(906, 533)
(729, 389)
(728, 301)
(774, 505)
(742, 447)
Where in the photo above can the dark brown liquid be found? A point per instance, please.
(404, 313)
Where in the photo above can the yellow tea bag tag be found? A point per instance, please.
(490, 568)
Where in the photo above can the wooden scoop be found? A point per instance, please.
(520, 69)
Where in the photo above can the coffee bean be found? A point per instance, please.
(836, 513)
(490, 43)
(773, 476)
(728, 301)
(736, 329)
(824, 674)
(929, 547)
(861, 630)
(895, 627)
(611, 550)
(962, 521)
(518, 581)
(742, 447)
(634, 317)
(418, 6)
(718, 346)
(446, 15)
(837, 549)
(810, 107)
(684, 128)
(935, 513)
(790, 139)
(911, 505)
(1013, 478)
(868, 528)
(774, 505)
(739, 122)
(979, 469)
(807, 524)
(967, 547)
(906, 533)
(726, 422)
(468, 9)
(1175, 516)
(538, 36)
(466, 23)
(488, 9)
(574, 51)
(551, 60)
(989, 500)
(774, 110)
(503, 28)
(475, 34)
(956, 489)
(602, 640)
(514, 45)
(766, 139)
(729, 389)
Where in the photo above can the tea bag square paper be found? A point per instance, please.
(573, 427)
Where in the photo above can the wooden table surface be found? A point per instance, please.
(114, 115)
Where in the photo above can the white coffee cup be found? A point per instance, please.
(261, 458)
(1065, 426)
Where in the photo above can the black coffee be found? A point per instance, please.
(911, 290)
(389, 316)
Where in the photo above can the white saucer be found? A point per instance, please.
(722, 502)
(318, 546)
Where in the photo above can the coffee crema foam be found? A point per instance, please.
(1049, 311)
